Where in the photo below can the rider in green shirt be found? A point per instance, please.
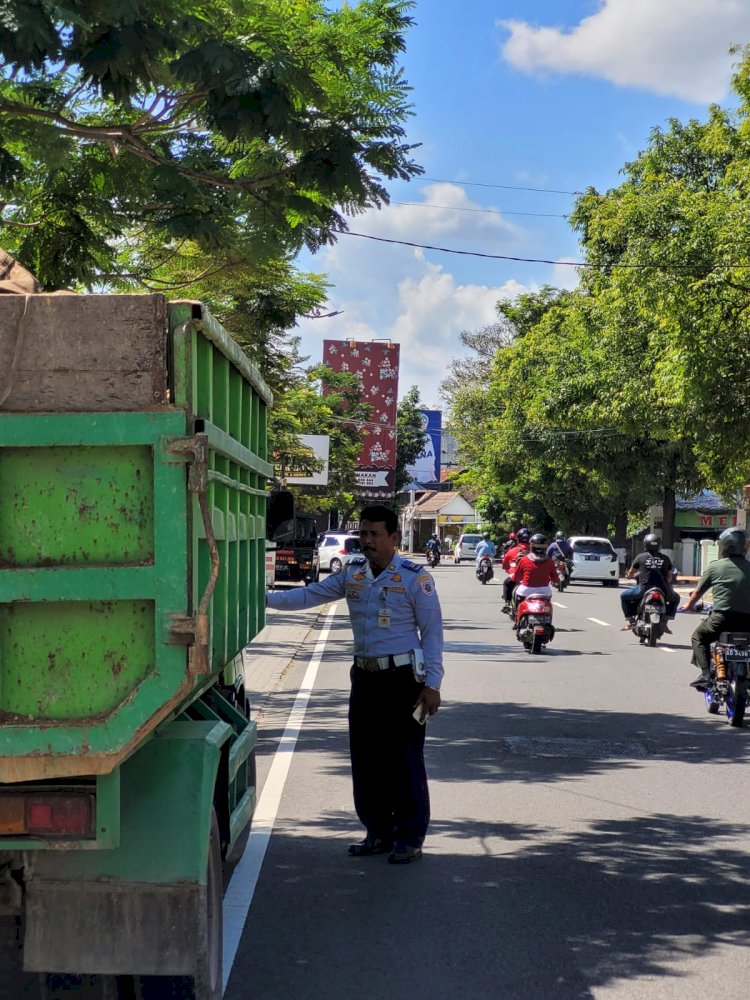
(728, 577)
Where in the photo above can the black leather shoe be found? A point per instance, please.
(404, 854)
(702, 682)
(370, 846)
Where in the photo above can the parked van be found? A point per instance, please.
(466, 547)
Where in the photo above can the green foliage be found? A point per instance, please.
(245, 128)
(321, 401)
(410, 439)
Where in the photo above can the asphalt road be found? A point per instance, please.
(589, 835)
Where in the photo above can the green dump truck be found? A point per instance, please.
(133, 466)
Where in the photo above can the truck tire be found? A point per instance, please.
(64, 986)
(207, 983)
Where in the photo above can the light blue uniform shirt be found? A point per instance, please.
(485, 548)
(403, 594)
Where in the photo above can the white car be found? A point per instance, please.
(335, 549)
(466, 548)
(594, 559)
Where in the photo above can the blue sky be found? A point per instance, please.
(523, 93)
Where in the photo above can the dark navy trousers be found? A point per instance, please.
(387, 752)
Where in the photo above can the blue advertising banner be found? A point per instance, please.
(426, 468)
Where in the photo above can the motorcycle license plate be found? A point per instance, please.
(738, 654)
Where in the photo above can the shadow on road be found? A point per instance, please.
(621, 901)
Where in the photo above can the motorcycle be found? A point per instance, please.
(730, 657)
(532, 618)
(651, 620)
(433, 558)
(484, 570)
(563, 573)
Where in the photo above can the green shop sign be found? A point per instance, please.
(695, 519)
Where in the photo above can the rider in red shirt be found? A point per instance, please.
(536, 571)
(510, 562)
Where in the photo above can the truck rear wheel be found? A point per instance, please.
(207, 982)
(64, 986)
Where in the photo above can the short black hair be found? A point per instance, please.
(379, 512)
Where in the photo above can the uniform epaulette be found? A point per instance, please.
(358, 562)
(408, 564)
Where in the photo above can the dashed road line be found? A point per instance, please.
(558, 605)
(666, 649)
(600, 622)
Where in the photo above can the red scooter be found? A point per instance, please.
(532, 617)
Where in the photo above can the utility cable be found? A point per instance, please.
(483, 211)
(504, 187)
(668, 266)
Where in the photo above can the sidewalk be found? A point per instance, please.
(273, 650)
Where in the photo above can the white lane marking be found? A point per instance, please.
(599, 621)
(558, 605)
(239, 894)
(666, 649)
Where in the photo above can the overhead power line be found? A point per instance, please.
(665, 266)
(483, 211)
(503, 187)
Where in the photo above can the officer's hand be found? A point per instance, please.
(430, 698)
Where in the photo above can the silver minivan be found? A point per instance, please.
(594, 559)
(466, 547)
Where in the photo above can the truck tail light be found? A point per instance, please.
(47, 815)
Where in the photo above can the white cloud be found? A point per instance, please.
(399, 292)
(430, 311)
(444, 212)
(564, 275)
(676, 48)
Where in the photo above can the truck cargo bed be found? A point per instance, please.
(132, 501)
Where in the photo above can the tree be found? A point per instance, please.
(669, 277)
(136, 134)
(338, 412)
(544, 448)
(411, 436)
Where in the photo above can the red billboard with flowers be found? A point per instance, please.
(376, 364)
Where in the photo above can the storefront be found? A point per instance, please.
(444, 514)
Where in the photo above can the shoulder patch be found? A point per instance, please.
(408, 564)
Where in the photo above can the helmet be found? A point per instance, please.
(486, 535)
(559, 536)
(538, 544)
(732, 542)
(651, 543)
(523, 535)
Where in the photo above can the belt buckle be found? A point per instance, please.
(370, 663)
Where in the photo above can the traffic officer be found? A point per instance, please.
(398, 667)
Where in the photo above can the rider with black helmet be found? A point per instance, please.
(728, 577)
(511, 559)
(653, 569)
(560, 548)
